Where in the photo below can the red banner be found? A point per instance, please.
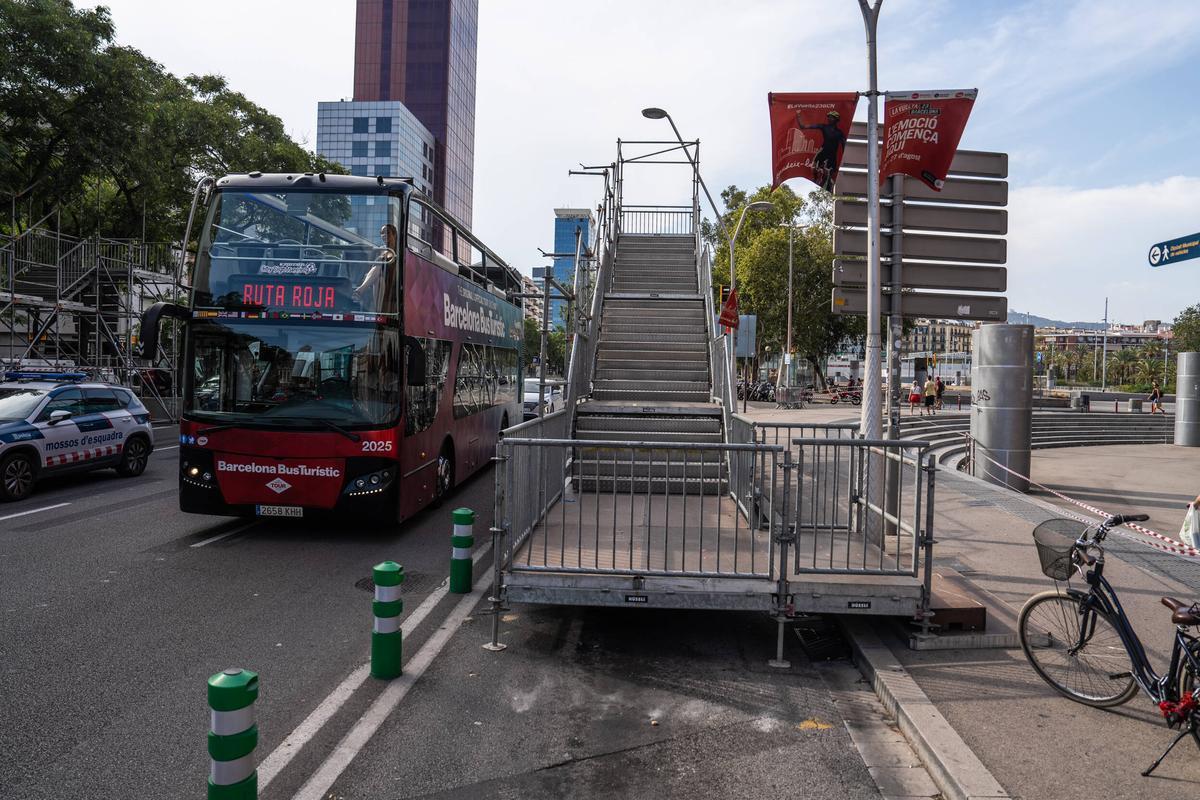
(808, 135)
(921, 132)
(729, 311)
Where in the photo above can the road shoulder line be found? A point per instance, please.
(303, 733)
(318, 785)
(954, 767)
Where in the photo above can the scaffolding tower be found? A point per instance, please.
(75, 303)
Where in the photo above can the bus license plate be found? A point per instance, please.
(280, 511)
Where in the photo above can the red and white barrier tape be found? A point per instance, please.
(1169, 544)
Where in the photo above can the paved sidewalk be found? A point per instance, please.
(1037, 743)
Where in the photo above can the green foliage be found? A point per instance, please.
(106, 137)
(1186, 330)
(762, 270)
(556, 349)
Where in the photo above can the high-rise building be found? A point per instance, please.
(422, 53)
(566, 222)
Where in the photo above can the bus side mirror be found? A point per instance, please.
(150, 322)
(414, 361)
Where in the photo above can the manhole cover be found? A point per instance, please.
(414, 582)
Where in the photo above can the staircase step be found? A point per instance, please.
(660, 374)
(640, 336)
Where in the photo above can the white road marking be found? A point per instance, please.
(33, 511)
(172, 447)
(282, 755)
(225, 535)
(317, 787)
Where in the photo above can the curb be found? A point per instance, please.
(954, 767)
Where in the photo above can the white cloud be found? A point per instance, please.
(1071, 248)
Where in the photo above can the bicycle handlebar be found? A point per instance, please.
(1121, 519)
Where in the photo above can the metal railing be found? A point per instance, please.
(657, 220)
(630, 508)
(670, 508)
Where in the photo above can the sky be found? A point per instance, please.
(1093, 102)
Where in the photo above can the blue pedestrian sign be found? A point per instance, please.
(1180, 249)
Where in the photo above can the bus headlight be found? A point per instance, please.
(372, 483)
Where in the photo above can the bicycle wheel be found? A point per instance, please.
(1095, 674)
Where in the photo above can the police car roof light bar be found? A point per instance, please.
(45, 376)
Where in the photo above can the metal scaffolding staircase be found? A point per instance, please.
(651, 368)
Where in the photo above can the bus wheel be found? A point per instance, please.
(445, 474)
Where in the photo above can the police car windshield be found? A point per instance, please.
(18, 402)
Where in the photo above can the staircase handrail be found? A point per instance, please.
(582, 365)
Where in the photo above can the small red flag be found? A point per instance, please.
(729, 311)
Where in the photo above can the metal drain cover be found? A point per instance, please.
(821, 640)
(414, 582)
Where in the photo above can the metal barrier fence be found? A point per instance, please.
(646, 508)
(651, 507)
(661, 220)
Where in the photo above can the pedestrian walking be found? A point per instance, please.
(1156, 400)
(941, 390)
(914, 396)
(930, 396)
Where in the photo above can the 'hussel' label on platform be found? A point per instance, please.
(280, 469)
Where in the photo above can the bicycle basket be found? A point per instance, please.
(1055, 540)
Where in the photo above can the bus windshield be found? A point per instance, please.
(267, 372)
(302, 251)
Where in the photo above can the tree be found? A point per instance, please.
(109, 141)
(1185, 331)
(762, 266)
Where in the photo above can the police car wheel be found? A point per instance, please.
(134, 456)
(16, 477)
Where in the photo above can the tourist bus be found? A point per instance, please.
(350, 348)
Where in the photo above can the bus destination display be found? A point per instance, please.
(291, 293)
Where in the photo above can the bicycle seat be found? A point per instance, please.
(1183, 613)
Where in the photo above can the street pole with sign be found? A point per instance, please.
(870, 424)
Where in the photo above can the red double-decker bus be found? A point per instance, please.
(349, 348)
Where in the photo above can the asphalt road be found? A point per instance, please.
(115, 608)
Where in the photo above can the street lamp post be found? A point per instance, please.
(758, 205)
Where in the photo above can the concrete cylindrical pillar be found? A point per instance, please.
(1187, 400)
(1002, 404)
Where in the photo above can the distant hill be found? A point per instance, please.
(1019, 318)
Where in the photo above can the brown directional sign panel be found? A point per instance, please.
(926, 247)
(985, 308)
(952, 219)
(955, 190)
(971, 163)
(959, 277)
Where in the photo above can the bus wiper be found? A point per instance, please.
(215, 428)
(333, 426)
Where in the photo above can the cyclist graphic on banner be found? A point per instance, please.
(808, 135)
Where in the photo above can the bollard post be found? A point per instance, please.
(462, 541)
(387, 638)
(960, 402)
(1116, 406)
(232, 735)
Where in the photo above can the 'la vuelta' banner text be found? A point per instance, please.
(921, 131)
(808, 135)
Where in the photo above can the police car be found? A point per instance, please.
(56, 423)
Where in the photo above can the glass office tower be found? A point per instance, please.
(422, 53)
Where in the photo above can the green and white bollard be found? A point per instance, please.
(387, 639)
(462, 541)
(232, 735)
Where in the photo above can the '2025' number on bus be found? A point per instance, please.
(377, 447)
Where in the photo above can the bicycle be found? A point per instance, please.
(1082, 644)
